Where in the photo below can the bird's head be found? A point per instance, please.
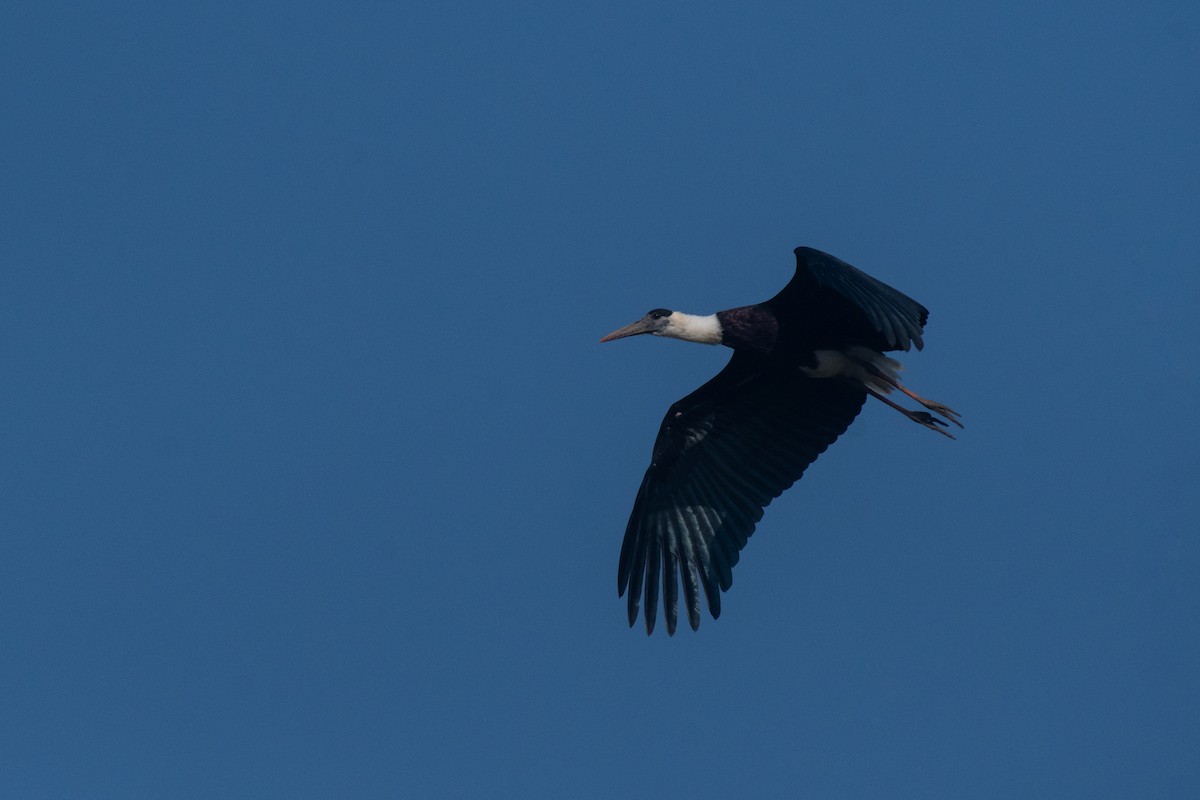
(656, 322)
(675, 324)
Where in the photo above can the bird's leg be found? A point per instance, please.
(946, 411)
(919, 417)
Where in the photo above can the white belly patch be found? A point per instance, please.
(860, 364)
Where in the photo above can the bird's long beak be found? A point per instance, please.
(643, 325)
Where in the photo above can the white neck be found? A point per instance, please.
(692, 328)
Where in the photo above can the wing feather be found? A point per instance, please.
(830, 299)
(722, 455)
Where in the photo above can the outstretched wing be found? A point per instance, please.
(722, 454)
(830, 301)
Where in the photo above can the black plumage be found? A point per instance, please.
(736, 443)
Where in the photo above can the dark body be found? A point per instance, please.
(736, 443)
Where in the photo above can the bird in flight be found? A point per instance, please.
(803, 364)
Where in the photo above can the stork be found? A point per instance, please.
(803, 365)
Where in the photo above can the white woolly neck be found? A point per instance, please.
(693, 328)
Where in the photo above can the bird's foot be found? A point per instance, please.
(919, 417)
(930, 421)
(946, 411)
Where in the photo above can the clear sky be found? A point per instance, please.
(314, 475)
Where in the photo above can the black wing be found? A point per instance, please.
(723, 453)
(828, 301)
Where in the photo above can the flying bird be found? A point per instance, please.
(803, 364)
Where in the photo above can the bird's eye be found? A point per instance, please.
(659, 313)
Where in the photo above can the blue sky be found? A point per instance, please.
(315, 475)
